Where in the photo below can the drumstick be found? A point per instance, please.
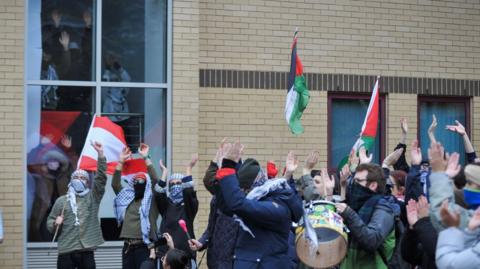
(58, 226)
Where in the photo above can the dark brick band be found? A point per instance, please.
(211, 78)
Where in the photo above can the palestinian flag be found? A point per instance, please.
(369, 127)
(297, 92)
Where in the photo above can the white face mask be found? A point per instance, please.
(78, 185)
(53, 165)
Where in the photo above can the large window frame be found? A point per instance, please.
(98, 84)
(443, 99)
(354, 96)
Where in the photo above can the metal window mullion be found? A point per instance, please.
(98, 58)
(133, 84)
(61, 83)
(169, 80)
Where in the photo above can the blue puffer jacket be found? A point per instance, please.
(269, 219)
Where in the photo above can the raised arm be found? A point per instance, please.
(431, 129)
(100, 179)
(460, 130)
(117, 175)
(143, 150)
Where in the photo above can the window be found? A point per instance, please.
(104, 57)
(446, 110)
(346, 114)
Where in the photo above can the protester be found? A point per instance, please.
(136, 209)
(265, 209)
(220, 236)
(458, 248)
(420, 240)
(177, 200)
(370, 216)
(74, 217)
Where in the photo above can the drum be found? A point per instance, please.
(331, 236)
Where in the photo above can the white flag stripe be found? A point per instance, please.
(290, 103)
(370, 105)
(111, 144)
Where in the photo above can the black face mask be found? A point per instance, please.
(139, 190)
(358, 195)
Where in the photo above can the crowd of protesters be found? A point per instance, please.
(421, 214)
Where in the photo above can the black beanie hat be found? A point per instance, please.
(247, 173)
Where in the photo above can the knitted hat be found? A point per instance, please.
(272, 170)
(176, 176)
(472, 173)
(247, 173)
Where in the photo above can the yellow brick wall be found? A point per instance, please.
(255, 117)
(400, 106)
(388, 37)
(11, 131)
(475, 123)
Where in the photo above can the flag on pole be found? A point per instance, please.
(112, 137)
(297, 92)
(369, 127)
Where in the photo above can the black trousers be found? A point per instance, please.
(76, 260)
(134, 255)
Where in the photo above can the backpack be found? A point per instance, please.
(396, 261)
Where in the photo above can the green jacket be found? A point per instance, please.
(87, 235)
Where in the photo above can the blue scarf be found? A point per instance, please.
(472, 197)
(176, 194)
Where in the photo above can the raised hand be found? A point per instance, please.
(143, 150)
(64, 40)
(164, 170)
(219, 154)
(234, 153)
(66, 141)
(311, 160)
(125, 154)
(291, 164)
(404, 126)
(453, 168)
(448, 218)
(328, 182)
(362, 154)
(98, 147)
(436, 156)
(412, 213)
(457, 128)
(415, 153)
(423, 207)
(344, 174)
(193, 160)
(474, 222)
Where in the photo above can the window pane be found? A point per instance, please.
(446, 113)
(142, 114)
(346, 122)
(134, 40)
(50, 160)
(60, 40)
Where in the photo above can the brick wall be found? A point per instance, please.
(401, 106)
(390, 37)
(11, 131)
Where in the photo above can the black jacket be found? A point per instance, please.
(419, 244)
(171, 213)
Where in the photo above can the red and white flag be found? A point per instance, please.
(112, 137)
